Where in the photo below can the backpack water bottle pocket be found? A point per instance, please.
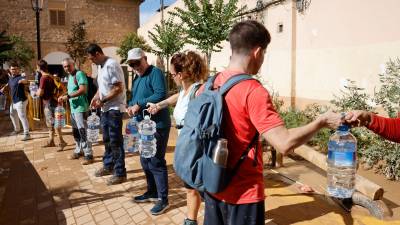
(215, 179)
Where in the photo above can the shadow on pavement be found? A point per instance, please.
(24, 198)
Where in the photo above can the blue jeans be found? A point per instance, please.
(155, 168)
(114, 154)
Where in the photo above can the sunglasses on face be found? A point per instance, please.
(134, 63)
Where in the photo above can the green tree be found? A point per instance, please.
(207, 23)
(169, 38)
(388, 94)
(5, 45)
(352, 98)
(20, 52)
(77, 43)
(132, 40)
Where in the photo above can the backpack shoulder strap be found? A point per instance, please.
(210, 82)
(195, 88)
(233, 81)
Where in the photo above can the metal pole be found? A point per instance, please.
(162, 11)
(39, 54)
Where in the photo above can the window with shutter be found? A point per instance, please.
(57, 17)
(53, 17)
(61, 18)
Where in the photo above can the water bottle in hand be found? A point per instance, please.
(3, 102)
(342, 163)
(59, 117)
(147, 141)
(33, 89)
(132, 135)
(93, 128)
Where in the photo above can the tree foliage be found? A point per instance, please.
(207, 22)
(388, 94)
(77, 43)
(352, 98)
(16, 49)
(132, 40)
(168, 37)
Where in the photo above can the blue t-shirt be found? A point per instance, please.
(17, 90)
(151, 87)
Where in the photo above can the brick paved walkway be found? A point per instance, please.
(42, 187)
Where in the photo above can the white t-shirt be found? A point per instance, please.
(108, 75)
(182, 105)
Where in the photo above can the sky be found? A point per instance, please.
(148, 8)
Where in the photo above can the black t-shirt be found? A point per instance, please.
(17, 90)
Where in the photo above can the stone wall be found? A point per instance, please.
(107, 21)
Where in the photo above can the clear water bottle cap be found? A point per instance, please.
(343, 127)
(146, 117)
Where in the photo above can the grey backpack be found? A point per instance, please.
(202, 128)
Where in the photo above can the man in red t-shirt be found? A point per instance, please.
(46, 92)
(248, 109)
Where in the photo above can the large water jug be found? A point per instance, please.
(93, 128)
(342, 163)
(147, 141)
(131, 136)
(33, 89)
(59, 117)
(3, 102)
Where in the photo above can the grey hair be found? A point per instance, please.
(68, 60)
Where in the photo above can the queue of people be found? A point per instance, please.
(248, 112)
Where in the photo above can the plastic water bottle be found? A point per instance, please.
(3, 102)
(132, 135)
(342, 163)
(93, 128)
(59, 117)
(33, 89)
(147, 141)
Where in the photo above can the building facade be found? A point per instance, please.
(317, 45)
(107, 22)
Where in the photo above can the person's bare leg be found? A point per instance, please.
(193, 200)
(62, 143)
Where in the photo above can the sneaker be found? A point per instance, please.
(26, 137)
(87, 160)
(49, 144)
(61, 146)
(145, 198)
(116, 180)
(74, 156)
(102, 172)
(159, 207)
(189, 222)
(15, 133)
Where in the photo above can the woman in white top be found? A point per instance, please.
(188, 70)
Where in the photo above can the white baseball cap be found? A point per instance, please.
(135, 54)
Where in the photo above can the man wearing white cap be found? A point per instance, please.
(150, 86)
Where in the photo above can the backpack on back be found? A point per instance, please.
(91, 88)
(203, 127)
(60, 87)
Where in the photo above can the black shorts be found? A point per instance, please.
(221, 213)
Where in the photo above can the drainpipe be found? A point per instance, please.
(293, 56)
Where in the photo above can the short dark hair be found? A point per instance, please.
(247, 35)
(42, 64)
(93, 48)
(14, 64)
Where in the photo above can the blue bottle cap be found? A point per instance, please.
(343, 127)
